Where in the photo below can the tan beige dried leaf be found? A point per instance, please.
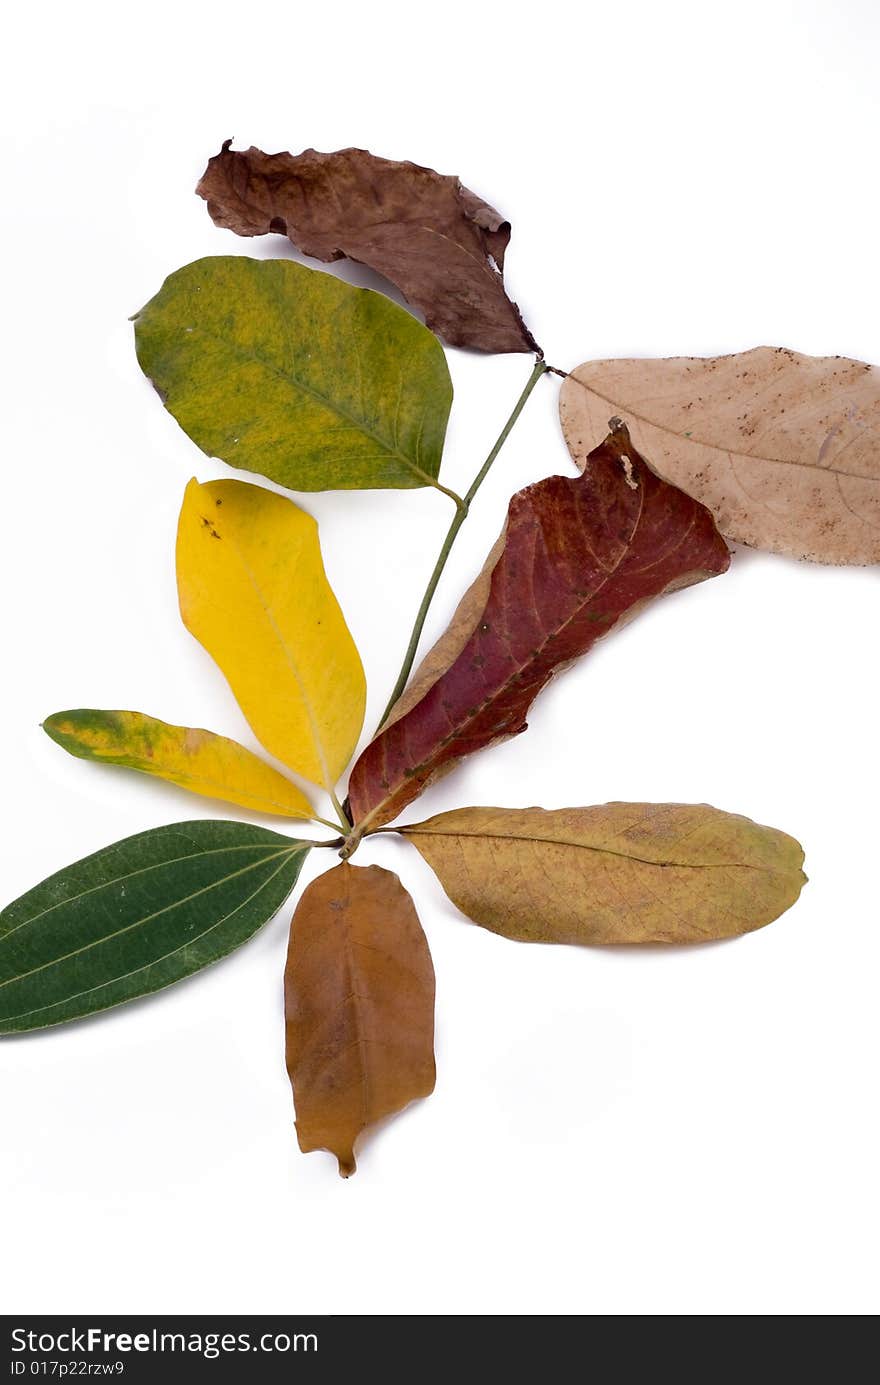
(784, 449)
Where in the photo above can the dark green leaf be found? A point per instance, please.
(137, 916)
(295, 374)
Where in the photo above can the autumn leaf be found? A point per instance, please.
(200, 761)
(784, 449)
(577, 556)
(292, 373)
(439, 243)
(254, 592)
(359, 997)
(138, 915)
(621, 873)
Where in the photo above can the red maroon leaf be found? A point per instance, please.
(439, 243)
(577, 556)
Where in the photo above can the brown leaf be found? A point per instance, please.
(578, 556)
(784, 449)
(439, 243)
(622, 873)
(359, 1001)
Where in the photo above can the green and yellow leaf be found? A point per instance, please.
(253, 591)
(295, 374)
(200, 761)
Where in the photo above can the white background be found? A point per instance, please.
(613, 1132)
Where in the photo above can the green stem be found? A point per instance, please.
(459, 519)
(343, 821)
(428, 480)
(328, 822)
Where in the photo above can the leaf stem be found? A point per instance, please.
(461, 513)
(343, 821)
(326, 822)
(444, 490)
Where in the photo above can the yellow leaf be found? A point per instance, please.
(210, 765)
(254, 592)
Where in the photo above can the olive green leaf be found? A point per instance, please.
(619, 873)
(138, 915)
(295, 374)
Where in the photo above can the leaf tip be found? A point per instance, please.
(347, 1164)
(54, 726)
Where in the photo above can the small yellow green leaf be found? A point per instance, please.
(253, 591)
(213, 766)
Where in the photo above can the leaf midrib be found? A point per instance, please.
(585, 846)
(829, 470)
(288, 378)
(311, 713)
(219, 789)
(129, 875)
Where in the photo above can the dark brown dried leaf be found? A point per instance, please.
(439, 243)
